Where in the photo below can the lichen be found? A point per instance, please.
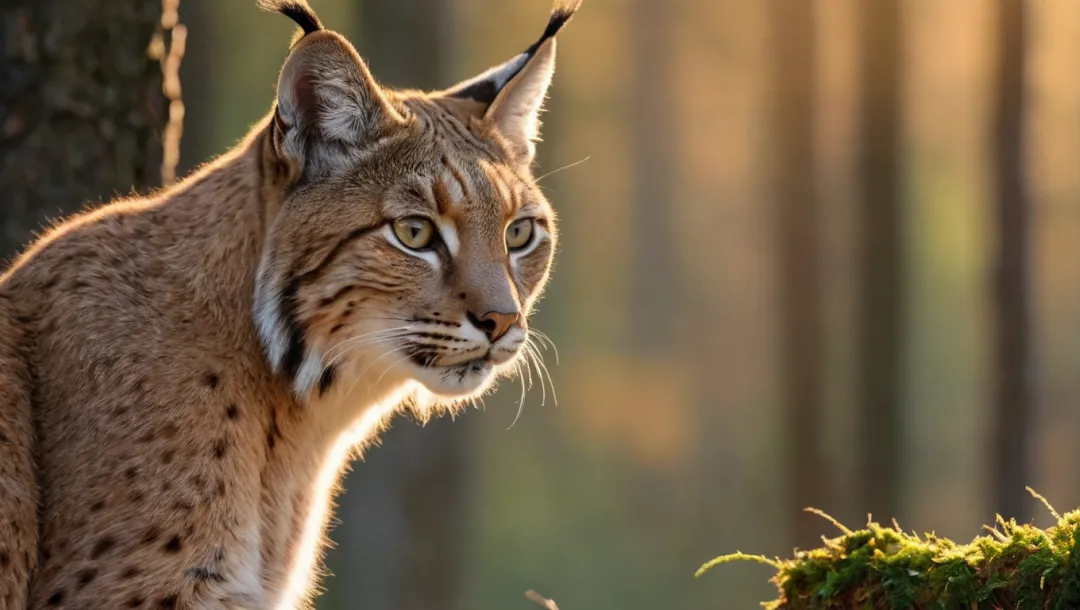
(1012, 566)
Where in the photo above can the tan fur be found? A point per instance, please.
(182, 376)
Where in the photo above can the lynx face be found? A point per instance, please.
(412, 240)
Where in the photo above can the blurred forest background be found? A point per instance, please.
(821, 253)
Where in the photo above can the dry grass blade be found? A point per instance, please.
(831, 519)
(540, 599)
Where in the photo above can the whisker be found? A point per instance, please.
(370, 364)
(350, 342)
(379, 319)
(380, 331)
(388, 369)
(528, 370)
(546, 339)
(351, 345)
(521, 402)
(393, 332)
(348, 346)
(541, 365)
(555, 171)
(377, 332)
(356, 346)
(531, 354)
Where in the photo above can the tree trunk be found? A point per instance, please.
(200, 75)
(881, 283)
(403, 514)
(653, 133)
(81, 108)
(798, 256)
(1011, 448)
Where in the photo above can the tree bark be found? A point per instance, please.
(200, 74)
(404, 511)
(798, 256)
(1011, 446)
(880, 315)
(81, 108)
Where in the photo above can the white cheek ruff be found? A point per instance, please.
(271, 329)
(311, 369)
(426, 255)
(267, 314)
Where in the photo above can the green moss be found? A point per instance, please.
(1013, 566)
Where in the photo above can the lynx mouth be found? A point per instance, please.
(467, 376)
(458, 361)
(460, 374)
(475, 366)
(463, 378)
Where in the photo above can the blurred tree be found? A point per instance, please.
(654, 148)
(199, 75)
(880, 314)
(402, 515)
(798, 255)
(81, 108)
(1011, 447)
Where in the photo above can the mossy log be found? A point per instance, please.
(1013, 566)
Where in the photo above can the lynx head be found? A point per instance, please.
(411, 240)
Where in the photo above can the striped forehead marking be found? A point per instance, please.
(451, 188)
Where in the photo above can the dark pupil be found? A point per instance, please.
(415, 229)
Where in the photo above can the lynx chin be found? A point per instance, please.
(182, 376)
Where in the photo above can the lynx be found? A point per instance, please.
(182, 376)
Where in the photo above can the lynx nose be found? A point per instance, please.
(495, 324)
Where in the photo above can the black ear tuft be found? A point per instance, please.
(485, 88)
(297, 10)
(560, 15)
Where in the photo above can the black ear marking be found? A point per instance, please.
(486, 87)
(297, 10)
(483, 91)
(560, 16)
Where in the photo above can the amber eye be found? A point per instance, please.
(415, 232)
(519, 234)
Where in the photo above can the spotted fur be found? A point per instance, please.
(182, 376)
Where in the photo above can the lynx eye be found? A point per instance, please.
(519, 234)
(415, 232)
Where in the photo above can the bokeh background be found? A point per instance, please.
(775, 289)
(814, 253)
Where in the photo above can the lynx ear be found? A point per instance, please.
(329, 108)
(513, 93)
